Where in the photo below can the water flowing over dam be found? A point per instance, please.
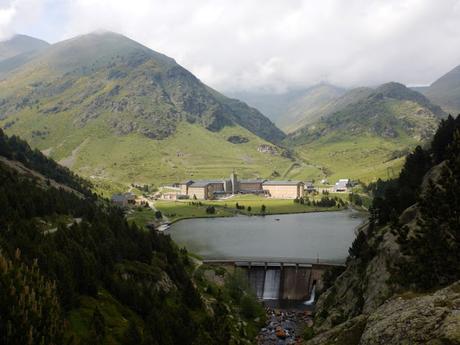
(285, 283)
(282, 281)
(271, 284)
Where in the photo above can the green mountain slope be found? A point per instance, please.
(113, 109)
(366, 137)
(446, 91)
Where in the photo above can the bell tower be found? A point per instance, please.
(234, 182)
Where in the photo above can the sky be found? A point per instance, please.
(266, 45)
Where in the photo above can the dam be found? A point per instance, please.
(284, 256)
(278, 280)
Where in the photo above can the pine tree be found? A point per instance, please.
(434, 248)
(132, 335)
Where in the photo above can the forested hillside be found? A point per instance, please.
(73, 271)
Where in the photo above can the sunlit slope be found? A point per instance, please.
(366, 139)
(113, 109)
(191, 152)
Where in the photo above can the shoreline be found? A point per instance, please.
(237, 213)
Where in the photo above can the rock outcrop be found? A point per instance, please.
(363, 286)
(406, 319)
(429, 319)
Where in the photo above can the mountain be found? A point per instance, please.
(369, 131)
(446, 91)
(20, 44)
(393, 290)
(115, 110)
(291, 110)
(18, 50)
(310, 106)
(77, 272)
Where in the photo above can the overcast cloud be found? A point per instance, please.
(263, 44)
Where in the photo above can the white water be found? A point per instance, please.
(257, 281)
(272, 284)
(312, 296)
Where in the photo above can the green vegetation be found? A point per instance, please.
(177, 210)
(431, 245)
(230, 286)
(122, 113)
(98, 281)
(365, 158)
(246, 204)
(141, 216)
(367, 138)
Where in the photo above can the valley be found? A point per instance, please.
(120, 224)
(91, 112)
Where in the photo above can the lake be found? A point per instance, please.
(306, 236)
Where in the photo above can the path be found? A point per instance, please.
(164, 224)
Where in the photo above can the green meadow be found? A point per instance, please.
(184, 209)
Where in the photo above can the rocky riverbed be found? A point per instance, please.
(284, 327)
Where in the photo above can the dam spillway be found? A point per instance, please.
(286, 280)
(284, 283)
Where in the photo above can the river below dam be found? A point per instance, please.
(323, 236)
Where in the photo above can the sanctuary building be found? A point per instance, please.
(211, 189)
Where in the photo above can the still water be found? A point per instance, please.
(306, 236)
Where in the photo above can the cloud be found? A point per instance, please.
(274, 44)
(18, 14)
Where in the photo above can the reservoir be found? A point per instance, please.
(305, 236)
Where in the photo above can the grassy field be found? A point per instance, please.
(141, 216)
(366, 158)
(176, 210)
(112, 161)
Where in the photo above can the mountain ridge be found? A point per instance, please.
(114, 91)
(445, 91)
(373, 128)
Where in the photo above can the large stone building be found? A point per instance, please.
(284, 189)
(210, 189)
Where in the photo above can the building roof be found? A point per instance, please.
(118, 198)
(252, 181)
(204, 183)
(341, 184)
(187, 182)
(282, 183)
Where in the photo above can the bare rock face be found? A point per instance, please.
(264, 148)
(347, 333)
(430, 319)
(362, 287)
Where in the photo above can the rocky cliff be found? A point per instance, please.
(365, 305)
(406, 319)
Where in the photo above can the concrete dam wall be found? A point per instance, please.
(288, 282)
(291, 280)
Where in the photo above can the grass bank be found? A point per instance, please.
(248, 205)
